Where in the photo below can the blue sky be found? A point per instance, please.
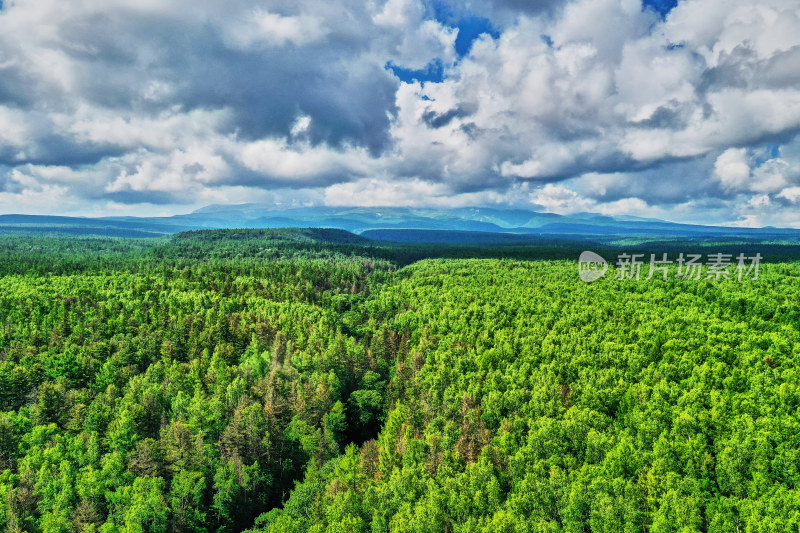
(468, 29)
(662, 6)
(683, 110)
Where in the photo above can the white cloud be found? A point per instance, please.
(547, 161)
(759, 201)
(790, 193)
(170, 129)
(423, 42)
(31, 196)
(733, 169)
(301, 125)
(606, 25)
(399, 13)
(372, 192)
(561, 200)
(279, 160)
(770, 177)
(14, 133)
(716, 27)
(625, 206)
(177, 172)
(262, 28)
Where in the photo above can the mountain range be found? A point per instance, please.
(472, 224)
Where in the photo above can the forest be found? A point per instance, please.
(313, 380)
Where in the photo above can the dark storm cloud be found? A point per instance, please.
(672, 183)
(58, 150)
(265, 86)
(742, 68)
(439, 120)
(501, 12)
(670, 116)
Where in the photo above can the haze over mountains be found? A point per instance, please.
(394, 223)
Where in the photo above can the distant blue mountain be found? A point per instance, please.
(394, 223)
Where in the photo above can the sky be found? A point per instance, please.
(686, 111)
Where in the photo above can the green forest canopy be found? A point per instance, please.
(306, 380)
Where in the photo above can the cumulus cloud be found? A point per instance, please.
(732, 168)
(303, 164)
(560, 199)
(563, 105)
(262, 28)
(791, 193)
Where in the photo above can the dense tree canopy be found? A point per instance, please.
(292, 381)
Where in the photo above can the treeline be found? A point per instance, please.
(61, 255)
